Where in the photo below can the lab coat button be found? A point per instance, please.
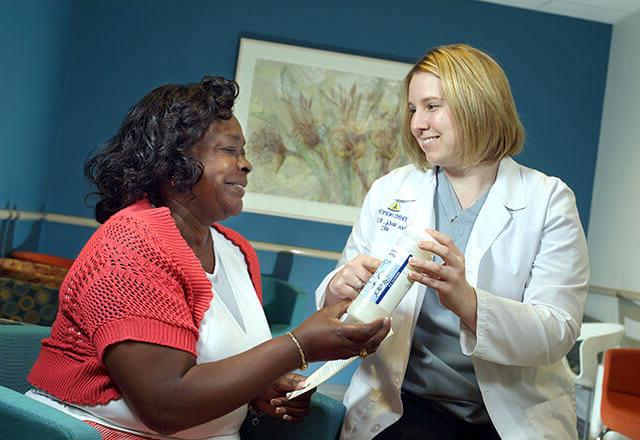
(376, 427)
(396, 381)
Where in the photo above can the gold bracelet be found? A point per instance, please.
(300, 350)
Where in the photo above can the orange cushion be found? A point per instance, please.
(42, 258)
(34, 273)
(621, 413)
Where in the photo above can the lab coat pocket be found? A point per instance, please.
(554, 419)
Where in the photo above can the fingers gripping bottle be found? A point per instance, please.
(390, 282)
(378, 298)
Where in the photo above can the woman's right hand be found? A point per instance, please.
(349, 281)
(323, 336)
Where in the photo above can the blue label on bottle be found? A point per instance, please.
(388, 282)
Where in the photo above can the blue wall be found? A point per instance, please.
(31, 54)
(117, 50)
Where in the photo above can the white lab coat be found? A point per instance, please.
(527, 258)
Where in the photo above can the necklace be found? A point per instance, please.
(446, 213)
(453, 199)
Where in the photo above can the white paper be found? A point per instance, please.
(322, 374)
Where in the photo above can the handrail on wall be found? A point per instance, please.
(6, 214)
(630, 295)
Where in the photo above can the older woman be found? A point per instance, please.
(160, 329)
(478, 341)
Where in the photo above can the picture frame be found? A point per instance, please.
(320, 126)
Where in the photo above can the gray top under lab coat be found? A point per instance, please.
(437, 369)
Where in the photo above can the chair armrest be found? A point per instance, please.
(323, 423)
(621, 368)
(27, 419)
(595, 338)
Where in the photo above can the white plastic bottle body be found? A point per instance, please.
(378, 298)
(390, 282)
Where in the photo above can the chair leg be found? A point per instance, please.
(602, 433)
(587, 419)
(595, 421)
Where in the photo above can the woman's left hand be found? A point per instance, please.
(273, 400)
(448, 279)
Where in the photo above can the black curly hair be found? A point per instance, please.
(153, 145)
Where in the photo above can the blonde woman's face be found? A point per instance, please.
(432, 124)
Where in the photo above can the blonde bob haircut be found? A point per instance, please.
(479, 97)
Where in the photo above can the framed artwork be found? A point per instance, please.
(320, 127)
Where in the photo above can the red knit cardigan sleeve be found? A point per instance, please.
(136, 279)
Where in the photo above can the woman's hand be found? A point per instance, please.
(349, 281)
(273, 400)
(323, 336)
(447, 279)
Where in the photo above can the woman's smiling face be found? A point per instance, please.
(222, 185)
(432, 123)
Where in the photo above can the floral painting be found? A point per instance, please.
(318, 133)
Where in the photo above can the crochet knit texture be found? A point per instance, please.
(135, 279)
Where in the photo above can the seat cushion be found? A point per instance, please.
(621, 413)
(26, 302)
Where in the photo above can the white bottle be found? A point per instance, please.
(390, 282)
(378, 298)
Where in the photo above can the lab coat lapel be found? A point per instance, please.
(506, 195)
(406, 315)
(423, 216)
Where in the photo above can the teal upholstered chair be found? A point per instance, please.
(323, 423)
(21, 417)
(283, 303)
(26, 419)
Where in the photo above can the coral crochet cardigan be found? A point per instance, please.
(135, 279)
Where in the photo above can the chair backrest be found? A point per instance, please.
(596, 337)
(19, 348)
(20, 416)
(283, 304)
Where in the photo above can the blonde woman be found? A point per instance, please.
(478, 341)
